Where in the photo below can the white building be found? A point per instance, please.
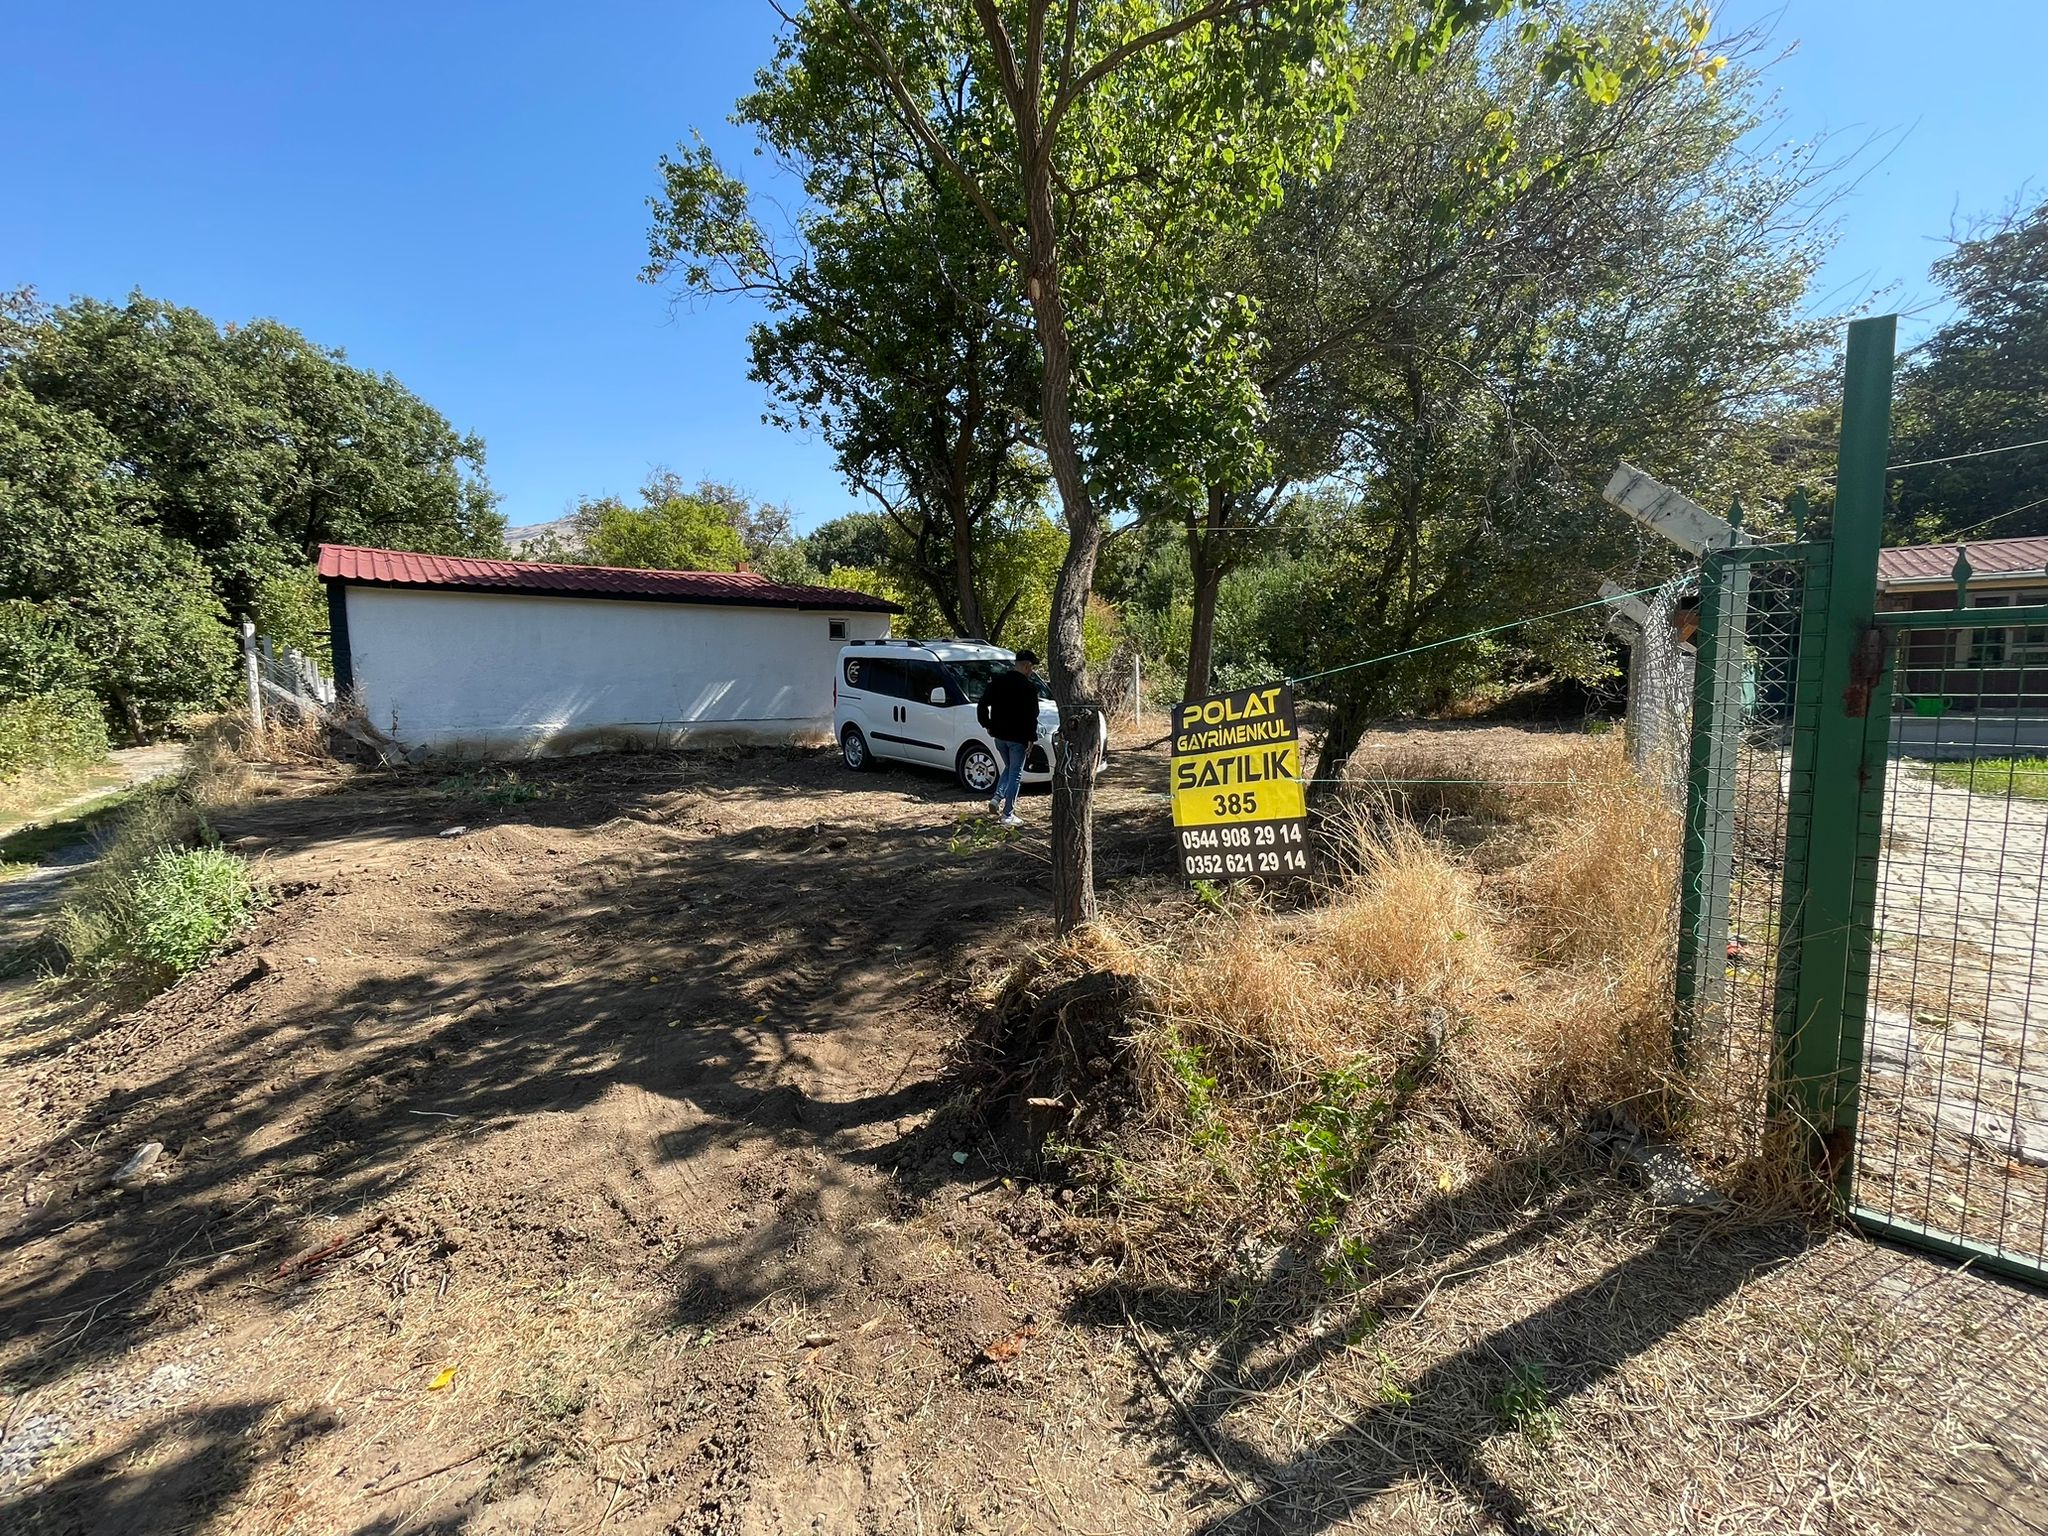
(501, 658)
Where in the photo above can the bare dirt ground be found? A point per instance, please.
(600, 1168)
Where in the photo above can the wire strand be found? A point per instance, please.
(1963, 533)
(1978, 453)
(1369, 782)
(1477, 634)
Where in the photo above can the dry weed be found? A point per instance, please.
(1411, 918)
(1439, 1011)
(286, 736)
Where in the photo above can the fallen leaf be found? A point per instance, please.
(1010, 1346)
(445, 1379)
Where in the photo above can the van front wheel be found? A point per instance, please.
(978, 769)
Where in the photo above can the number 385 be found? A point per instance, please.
(1241, 804)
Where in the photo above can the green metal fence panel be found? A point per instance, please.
(1952, 1138)
(1866, 861)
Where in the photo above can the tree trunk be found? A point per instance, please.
(967, 602)
(1340, 739)
(1202, 632)
(131, 717)
(1075, 749)
(1208, 565)
(1080, 733)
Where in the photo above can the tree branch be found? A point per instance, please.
(913, 120)
(1216, 10)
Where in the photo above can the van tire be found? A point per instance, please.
(977, 769)
(854, 750)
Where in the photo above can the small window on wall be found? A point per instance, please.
(835, 629)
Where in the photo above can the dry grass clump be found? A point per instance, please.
(1452, 1002)
(286, 736)
(1410, 919)
(1497, 774)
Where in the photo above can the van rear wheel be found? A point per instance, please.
(978, 769)
(854, 748)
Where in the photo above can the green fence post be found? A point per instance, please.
(1820, 1040)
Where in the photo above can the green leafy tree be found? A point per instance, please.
(1496, 351)
(1980, 382)
(1017, 561)
(859, 539)
(249, 445)
(676, 526)
(763, 527)
(1459, 192)
(895, 331)
(677, 533)
(1109, 148)
(92, 596)
(1103, 145)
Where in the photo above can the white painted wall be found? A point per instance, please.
(511, 674)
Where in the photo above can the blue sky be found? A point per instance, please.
(455, 193)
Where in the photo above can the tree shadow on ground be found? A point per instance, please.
(197, 1463)
(1435, 1426)
(714, 973)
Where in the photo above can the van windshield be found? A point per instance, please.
(973, 676)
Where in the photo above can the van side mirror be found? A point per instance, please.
(938, 696)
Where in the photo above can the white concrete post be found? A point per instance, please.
(249, 667)
(1137, 688)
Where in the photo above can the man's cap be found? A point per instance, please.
(1028, 656)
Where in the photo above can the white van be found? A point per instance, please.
(912, 701)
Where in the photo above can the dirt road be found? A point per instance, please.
(595, 1167)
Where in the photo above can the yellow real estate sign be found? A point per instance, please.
(1239, 805)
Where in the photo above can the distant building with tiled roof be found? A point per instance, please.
(492, 658)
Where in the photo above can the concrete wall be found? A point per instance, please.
(502, 675)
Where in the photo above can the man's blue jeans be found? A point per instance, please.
(1013, 771)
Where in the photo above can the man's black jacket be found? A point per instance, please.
(1009, 707)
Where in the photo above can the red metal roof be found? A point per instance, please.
(1988, 557)
(359, 566)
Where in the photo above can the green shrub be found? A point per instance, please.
(154, 905)
(185, 902)
(45, 731)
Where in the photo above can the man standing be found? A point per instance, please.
(1008, 711)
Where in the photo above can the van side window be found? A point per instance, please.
(877, 674)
